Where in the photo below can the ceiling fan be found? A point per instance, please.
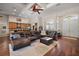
(36, 8)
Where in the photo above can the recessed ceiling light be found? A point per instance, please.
(14, 9)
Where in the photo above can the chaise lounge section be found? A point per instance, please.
(19, 43)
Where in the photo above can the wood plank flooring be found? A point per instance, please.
(4, 48)
(65, 47)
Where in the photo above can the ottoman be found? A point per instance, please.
(46, 40)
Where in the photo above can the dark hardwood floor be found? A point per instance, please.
(65, 47)
(4, 48)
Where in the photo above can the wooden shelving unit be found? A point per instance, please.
(13, 26)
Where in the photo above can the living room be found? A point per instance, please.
(39, 29)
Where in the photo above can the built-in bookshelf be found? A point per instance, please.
(19, 26)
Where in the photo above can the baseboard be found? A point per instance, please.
(71, 37)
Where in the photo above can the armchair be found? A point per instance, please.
(52, 34)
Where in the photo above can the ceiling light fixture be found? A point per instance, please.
(14, 9)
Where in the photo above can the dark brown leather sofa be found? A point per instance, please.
(19, 43)
(34, 35)
(23, 40)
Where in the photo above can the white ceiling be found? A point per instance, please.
(26, 12)
(8, 8)
(59, 9)
(23, 9)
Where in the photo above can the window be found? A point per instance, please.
(70, 26)
(50, 26)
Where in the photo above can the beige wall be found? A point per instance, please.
(14, 19)
(4, 22)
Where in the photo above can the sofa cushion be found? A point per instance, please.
(14, 36)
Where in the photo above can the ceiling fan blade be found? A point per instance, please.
(40, 9)
(36, 8)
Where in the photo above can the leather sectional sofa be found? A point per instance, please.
(18, 40)
(23, 41)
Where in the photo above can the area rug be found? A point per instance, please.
(35, 49)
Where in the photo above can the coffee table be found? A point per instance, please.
(46, 40)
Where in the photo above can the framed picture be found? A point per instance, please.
(4, 27)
